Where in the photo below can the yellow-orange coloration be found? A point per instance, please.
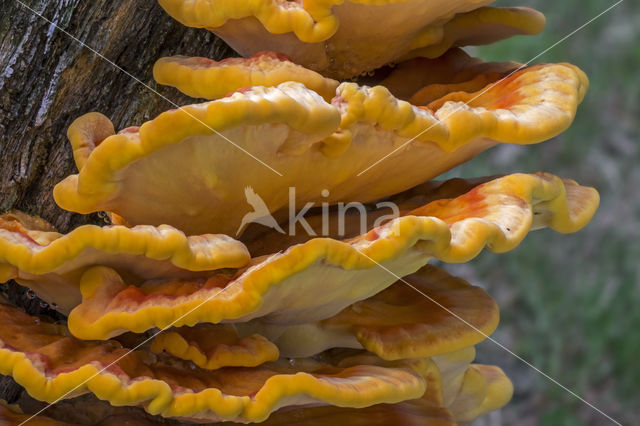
(484, 388)
(48, 363)
(314, 144)
(51, 264)
(317, 279)
(427, 313)
(205, 78)
(215, 346)
(337, 38)
(352, 327)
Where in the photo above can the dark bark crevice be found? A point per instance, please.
(47, 79)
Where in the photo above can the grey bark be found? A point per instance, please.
(47, 79)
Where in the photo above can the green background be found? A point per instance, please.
(570, 304)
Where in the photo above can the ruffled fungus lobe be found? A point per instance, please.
(317, 279)
(427, 313)
(478, 389)
(485, 388)
(471, 390)
(48, 363)
(312, 330)
(314, 144)
(215, 346)
(453, 367)
(393, 324)
(417, 412)
(205, 78)
(339, 38)
(428, 409)
(416, 199)
(452, 72)
(51, 264)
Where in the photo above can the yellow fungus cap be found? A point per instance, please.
(427, 313)
(49, 364)
(484, 388)
(205, 78)
(212, 346)
(346, 38)
(51, 263)
(314, 145)
(318, 278)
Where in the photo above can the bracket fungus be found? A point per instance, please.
(313, 144)
(208, 79)
(212, 346)
(341, 320)
(51, 365)
(51, 264)
(337, 38)
(394, 324)
(318, 278)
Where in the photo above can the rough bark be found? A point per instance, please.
(47, 79)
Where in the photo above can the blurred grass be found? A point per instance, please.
(569, 303)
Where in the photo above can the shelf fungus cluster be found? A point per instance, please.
(233, 284)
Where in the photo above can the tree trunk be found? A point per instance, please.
(47, 79)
